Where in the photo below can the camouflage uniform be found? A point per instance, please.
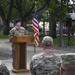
(68, 58)
(3, 69)
(16, 32)
(67, 64)
(46, 63)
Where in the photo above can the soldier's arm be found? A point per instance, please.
(26, 32)
(32, 69)
(58, 58)
(11, 33)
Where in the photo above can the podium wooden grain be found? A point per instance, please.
(20, 53)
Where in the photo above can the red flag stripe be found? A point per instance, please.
(36, 41)
(36, 38)
(35, 21)
(36, 29)
(34, 25)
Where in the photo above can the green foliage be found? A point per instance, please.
(5, 6)
(22, 8)
(15, 14)
(57, 10)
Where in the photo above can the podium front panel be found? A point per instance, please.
(22, 55)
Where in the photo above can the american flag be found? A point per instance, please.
(35, 27)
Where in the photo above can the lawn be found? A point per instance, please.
(65, 39)
(56, 40)
(3, 36)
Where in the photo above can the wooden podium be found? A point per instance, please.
(20, 53)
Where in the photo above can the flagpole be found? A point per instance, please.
(34, 45)
(35, 28)
(34, 49)
(35, 5)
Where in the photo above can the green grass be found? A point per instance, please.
(2, 36)
(65, 40)
(56, 40)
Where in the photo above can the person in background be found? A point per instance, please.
(47, 62)
(18, 30)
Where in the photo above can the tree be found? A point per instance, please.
(24, 9)
(6, 13)
(58, 11)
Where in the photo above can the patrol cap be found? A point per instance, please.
(47, 41)
(17, 20)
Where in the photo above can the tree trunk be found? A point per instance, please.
(61, 43)
(43, 27)
(6, 28)
(52, 28)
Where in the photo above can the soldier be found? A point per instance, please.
(46, 63)
(67, 64)
(3, 69)
(18, 30)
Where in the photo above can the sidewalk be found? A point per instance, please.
(8, 63)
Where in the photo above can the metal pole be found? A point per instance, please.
(68, 36)
(34, 45)
(34, 49)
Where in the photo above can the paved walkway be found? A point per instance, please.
(9, 66)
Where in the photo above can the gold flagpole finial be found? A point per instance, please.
(36, 5)
(35, 2)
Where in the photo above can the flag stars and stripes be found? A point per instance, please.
(36, 29)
